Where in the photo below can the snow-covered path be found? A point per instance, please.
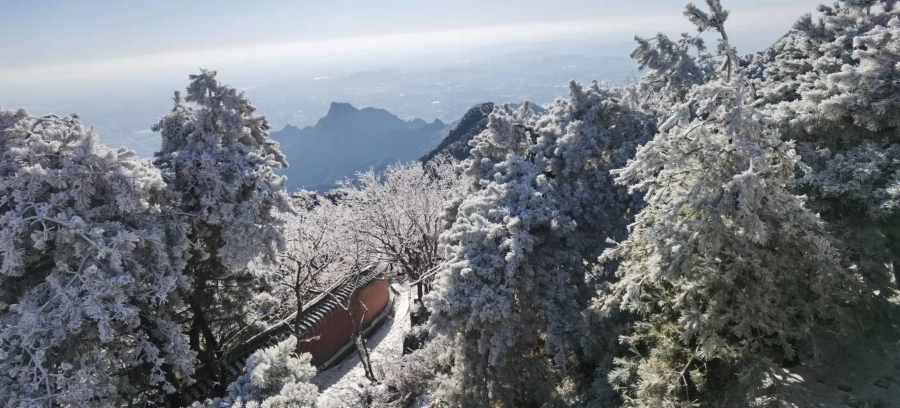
(341, 384)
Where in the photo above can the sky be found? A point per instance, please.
(117, 63)
(71, 39)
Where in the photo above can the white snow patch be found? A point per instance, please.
(342, 383)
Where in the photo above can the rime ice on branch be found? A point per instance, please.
(88, 272)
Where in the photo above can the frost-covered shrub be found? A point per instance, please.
(274, 377)
(406, 381)
(513, 284)
(414, 376)
(88, 274)
(856, 190)
(726, 268)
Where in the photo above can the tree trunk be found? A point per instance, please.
(895, 265)
(362, 350)
(212, 355)
(894, 252)
(194, 336)
(297, 321)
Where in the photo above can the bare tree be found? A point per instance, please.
(358, 261)
(312, 260)
(401, 214)
(362, 348)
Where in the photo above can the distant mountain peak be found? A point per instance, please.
(290, 128)
(338, 108)
(347, 140)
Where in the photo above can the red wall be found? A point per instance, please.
(335, 330)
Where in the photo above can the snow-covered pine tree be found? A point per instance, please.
(674, 68)
(510, 293)
(832, 84)
(274, 377)
(219, 161)
(88, 275)
(727, 269)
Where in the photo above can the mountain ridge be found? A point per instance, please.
(348, 140)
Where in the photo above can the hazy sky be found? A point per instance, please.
(117, 62)
(67, 39)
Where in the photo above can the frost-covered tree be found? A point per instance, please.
(88, 271)
(219, 161)
(725, 267)
(837, 72)
(831, 84)
(274, 377)
(511, 290)
(674, 68)
(401, 213)
(313, 258)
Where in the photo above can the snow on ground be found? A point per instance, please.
(860, 371)
(340, 385)
(860, 375)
